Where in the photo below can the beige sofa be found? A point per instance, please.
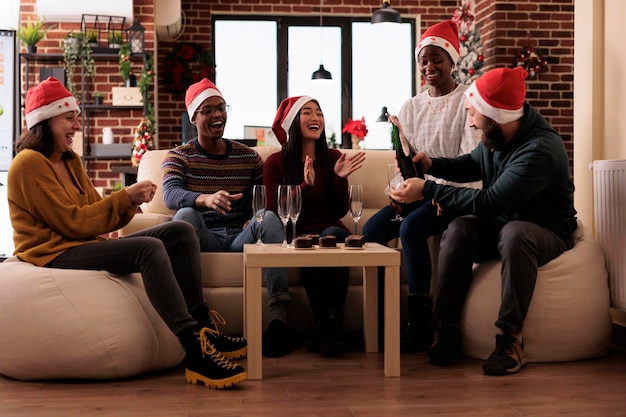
(222, 273)
(571, 300)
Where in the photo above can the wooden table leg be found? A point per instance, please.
(392, 321)
(370, 308)
(253, 321)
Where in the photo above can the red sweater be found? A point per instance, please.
(322, 206)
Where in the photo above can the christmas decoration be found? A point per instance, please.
(188, 63)
(357, 129)
(143, 140)
(531, 59)
(468, 67)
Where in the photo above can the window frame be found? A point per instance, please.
(345, 24)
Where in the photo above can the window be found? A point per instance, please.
(272, 57)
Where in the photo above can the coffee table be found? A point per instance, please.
(370, 257)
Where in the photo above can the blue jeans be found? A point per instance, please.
(521, 246)
(420, 222)
(232, 240)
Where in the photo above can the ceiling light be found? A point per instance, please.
(321, 73)
(386, 14)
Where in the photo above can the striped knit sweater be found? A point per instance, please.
(188, 171)
(48, 215)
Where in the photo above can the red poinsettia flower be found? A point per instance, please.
(356, 128)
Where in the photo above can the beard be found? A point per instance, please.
(493, 136)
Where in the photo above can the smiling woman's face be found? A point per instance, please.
(311, 121)
(63, 128)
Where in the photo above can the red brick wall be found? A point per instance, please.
(505, 26)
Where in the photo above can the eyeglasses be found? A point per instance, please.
(208, 110)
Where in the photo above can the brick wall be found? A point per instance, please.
(505, 26)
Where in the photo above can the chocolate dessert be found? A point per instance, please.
(355, 241)
(303, 242)
(328, 241)
(316, 239)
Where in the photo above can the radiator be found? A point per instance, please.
(609, 184)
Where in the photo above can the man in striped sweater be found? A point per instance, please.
(209, 182)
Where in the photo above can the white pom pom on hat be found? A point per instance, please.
(46, 100)
(499, 94)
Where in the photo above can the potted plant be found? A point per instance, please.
(92, 38)
(31, 34)
(98, 97)
(115, 39)
(75, 48)
(126, 66)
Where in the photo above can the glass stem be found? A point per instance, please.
(293, 231)
(285, 234)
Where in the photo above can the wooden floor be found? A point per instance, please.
(304, 384)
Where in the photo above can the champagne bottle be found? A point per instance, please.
(404, 154)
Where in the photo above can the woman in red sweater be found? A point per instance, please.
(322, 174)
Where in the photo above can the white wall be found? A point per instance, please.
(9, 14)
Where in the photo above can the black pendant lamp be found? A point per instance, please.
(321, 73)
(384, 116)
(386, 14)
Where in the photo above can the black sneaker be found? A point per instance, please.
(276, 339)
(206, 365)
(507, 358)
(444, 349)
(230, 347)
(332, 341)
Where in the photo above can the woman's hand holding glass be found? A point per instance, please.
(395, 182)
(259, 204)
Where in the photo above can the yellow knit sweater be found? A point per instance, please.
(48, 215)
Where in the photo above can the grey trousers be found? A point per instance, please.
(521, 246)
(168, 258)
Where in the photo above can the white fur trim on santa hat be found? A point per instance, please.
(440, 42)
(293, 111)
(50, 110)
(501, 116)
(199, 99)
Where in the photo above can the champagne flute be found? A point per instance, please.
(356, 204)
(259, 204)
(395, 182)
(284, 208)
(295, 208)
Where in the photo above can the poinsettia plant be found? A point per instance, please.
(356, 128)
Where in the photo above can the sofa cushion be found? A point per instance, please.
(60, 323)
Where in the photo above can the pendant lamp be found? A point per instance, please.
(384, 116)
(321, 73)
(386, 14)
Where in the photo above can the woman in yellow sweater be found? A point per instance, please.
(58, 217)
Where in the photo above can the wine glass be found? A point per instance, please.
(356, 204)
(395, 182)
(259, 203)
(284, 203)
(294, 210)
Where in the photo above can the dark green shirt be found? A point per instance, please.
(528, 179)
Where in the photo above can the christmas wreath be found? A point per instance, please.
(531, 59)
(187, 63)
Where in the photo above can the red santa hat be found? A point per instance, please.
(499, 94)
(197, 93)
(444, 35)
(48, 99)
(285, 115)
